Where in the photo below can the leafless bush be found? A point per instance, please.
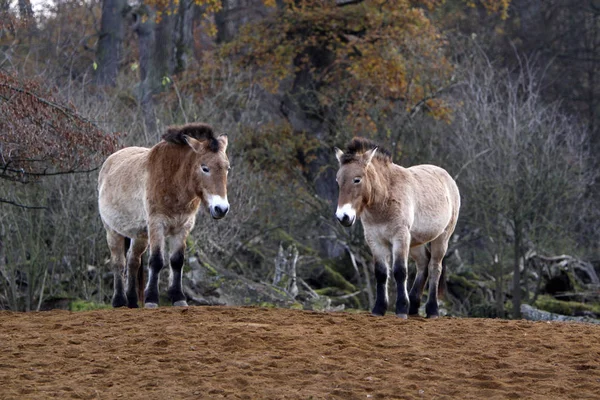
(522, 166)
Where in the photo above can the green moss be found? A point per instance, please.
(550, 304)
(328, 276)
(211, 270)
(280, 291)
(82, 305)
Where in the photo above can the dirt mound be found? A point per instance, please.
(255, 353)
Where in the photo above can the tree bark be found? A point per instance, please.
(143, 26)
(306, 115)
(516, 300)
(110, 43)
(183, 37)
(234, 14)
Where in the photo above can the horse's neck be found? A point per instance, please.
(384, 177)
(173, 165)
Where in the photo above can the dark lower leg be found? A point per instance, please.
(381, 277)
(400, 275)
(118, 299)
(175, 291)
(431, 307)
(132, 284)
(154, 266)
(134, 267)
(416, 291)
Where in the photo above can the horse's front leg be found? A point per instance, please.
(381, 256)
(400, 251)
(381, 278)
(156, 262)
(175, 292)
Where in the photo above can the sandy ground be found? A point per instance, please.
(255, 353)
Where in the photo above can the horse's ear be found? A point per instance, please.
(369, 155)
(195, 144)
(338, 154)
(223, 140)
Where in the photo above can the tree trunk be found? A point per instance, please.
(143, 26)
(516, 300)
(499, 270)
(305, 114)
(183, 37)
(234, 14)
(110, 43)
(163, 65)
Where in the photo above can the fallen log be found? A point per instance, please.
(533, 314)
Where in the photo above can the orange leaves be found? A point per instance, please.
(41, 136)
(493, 6)
(171, 7)
(369, 52)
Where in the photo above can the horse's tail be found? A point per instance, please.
(442, 285)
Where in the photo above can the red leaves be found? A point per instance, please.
(40, 136)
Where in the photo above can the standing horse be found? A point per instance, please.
(148, 195)
(401, 209)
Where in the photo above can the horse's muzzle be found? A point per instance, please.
(346, 220)
(218, 212)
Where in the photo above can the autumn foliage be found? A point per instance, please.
(42, 136)
(361, 53)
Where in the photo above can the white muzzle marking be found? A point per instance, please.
(346, 214)
(218, 206)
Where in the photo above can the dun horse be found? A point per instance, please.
(401, 209)
(148, 195)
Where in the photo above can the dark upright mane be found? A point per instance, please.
(359, 145)
(176, 134)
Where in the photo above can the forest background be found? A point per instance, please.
(501, 93)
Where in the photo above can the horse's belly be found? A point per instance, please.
(129, 221)
(424, 230)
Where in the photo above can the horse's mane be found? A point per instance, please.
(176, 135)
(358, 146)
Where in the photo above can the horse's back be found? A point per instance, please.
(121, 191)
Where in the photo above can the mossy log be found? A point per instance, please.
(533, 314)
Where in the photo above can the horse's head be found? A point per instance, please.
(209, 170)
(354, 183)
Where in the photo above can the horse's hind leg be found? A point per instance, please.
(175, 291)
(134, 260)
(116, 244)
(421, 256)
(156, 262)
(438, 250)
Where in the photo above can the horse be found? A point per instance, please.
(152, 194)
(402, 210)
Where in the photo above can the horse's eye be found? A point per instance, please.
(357, 180)
(205, 169)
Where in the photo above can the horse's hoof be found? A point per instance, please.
(118, 303)
(150, 305)
(402, 316)
(180, 303)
